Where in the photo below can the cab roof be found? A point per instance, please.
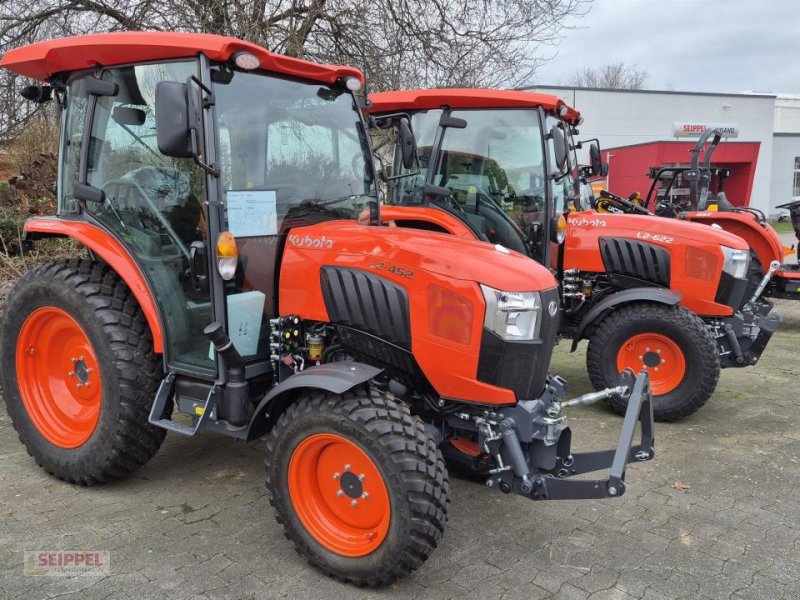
(386, 102)
(44, 59)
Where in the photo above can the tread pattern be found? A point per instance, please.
(682, 401)
(415, 462)
(139, 369)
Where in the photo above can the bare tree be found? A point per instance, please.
(398, 43)
(617, 75)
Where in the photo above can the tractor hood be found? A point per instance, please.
(384, 248)
(657, 230)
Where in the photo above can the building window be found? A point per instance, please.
(796, 188)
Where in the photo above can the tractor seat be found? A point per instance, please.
(723, 204)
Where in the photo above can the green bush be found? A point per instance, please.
(12, 219)
(8, 196)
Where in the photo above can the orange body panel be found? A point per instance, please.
(112, 252)
(399, 101)
(432, 259)
(688, 244)
(451, 224)
(764, 241)
(44, 59)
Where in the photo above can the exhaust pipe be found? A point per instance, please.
(237, 389)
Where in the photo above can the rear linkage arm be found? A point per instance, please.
(530, 443)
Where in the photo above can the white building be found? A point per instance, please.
(646, 128)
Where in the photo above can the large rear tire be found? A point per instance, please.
(358, 485)
(674, 344)
(79, 372)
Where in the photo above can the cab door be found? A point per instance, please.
(153, 204)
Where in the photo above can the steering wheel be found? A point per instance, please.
(148, 203)
(623, 204)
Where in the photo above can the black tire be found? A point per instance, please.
(684, 328)
(410, 464)
(100, 302)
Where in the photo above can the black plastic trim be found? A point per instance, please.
(367, 302)
(731, 291)
(636, 259)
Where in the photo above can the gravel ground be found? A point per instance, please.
(715, 515)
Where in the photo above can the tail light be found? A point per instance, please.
(227, 255)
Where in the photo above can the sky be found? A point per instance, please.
(686, 45)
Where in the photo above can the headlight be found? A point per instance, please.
(513, 315)
(736, 262)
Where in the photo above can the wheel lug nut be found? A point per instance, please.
(641, 358)
(71, 374)
(361, 477)
(339, 493)
(74, 360)
(347, 467)
(364, 496)
(655, 368)
(354, 504)
(81, 357)
(658, 351)
(663, 361)
(336, 476)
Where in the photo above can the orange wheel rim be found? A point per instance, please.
(339, 494)
(58, 377)
(662, 357)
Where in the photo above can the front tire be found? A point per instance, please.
(79, 372)
(359, 487)
(674, 344)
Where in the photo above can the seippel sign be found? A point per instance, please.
(694, 129)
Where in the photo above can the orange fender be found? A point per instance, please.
(763, 240)
(111, 251)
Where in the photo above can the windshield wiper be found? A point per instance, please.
(321, 203)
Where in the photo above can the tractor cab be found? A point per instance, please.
(199, 167)
(500, 161)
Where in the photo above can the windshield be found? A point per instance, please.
(290, 148)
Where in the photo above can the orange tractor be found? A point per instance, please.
(770, 277)
(240, 281)
(500, 166)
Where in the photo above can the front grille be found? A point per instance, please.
(636, 259)
(521, 366)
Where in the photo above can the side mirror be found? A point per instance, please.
(407, 143)
(559, 147)
(173, 131)
(595, 161)
(37, 93)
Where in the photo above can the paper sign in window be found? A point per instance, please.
(252, 213)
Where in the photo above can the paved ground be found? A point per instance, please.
(194, 523)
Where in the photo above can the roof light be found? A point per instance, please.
(563, 110)
(246, 61)
(353, 84)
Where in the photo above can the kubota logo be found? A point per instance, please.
(584, 222)
(310, 242)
